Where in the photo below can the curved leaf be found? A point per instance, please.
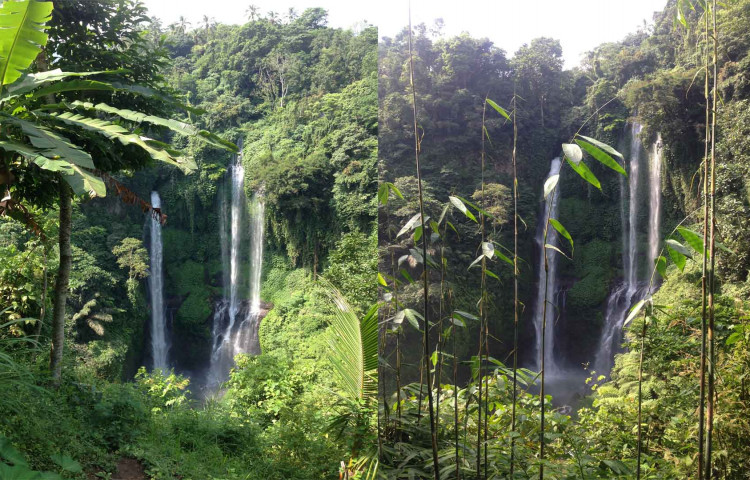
(634, 311)
(573, 152)
(550, 184)
(22, 36)
(695, 240)
(562, 231)
(661, 266)
(582, 170)
(459, 204)
(499, 109)
(50, 144)
(30, 81)
(675, 245)
(602, 156)
(603, 146)
(85, 183)
(114, 131)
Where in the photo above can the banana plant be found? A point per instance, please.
(52, 144)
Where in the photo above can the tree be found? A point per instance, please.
(252, 12)
(36, 135)
(539, 69)
(132, 256)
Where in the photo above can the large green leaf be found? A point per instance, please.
(174, 125)
(50, 144)
(694, 239)
(498, 109)
(31, 81)
(22, 36)
(114, 131)
(35, 156)
(602, 156)
(85, 183)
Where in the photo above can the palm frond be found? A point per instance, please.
(353, 347)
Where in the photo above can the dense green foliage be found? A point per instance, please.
(653, 77)
(301, 98)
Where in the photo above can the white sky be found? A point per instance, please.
(580, 25)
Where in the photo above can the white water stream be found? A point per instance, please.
(159, 343)
(550, 211)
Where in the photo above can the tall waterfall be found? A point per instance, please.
(631, 267)
(246, 339)
(633, 287)
(236, 315)
(550, 211)
(159, 344)
(654, 195)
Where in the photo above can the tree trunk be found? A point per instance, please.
(61, 284)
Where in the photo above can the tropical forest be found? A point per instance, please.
(563, 253)
(188, 244)
(272, 246)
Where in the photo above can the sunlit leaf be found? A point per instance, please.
(409, 225)
(459, 204)
(634, 311)
(677, 257)
(602, 157)
(562, 231)
(488, 249)
(603, 146)
(499, 109)
(552, 247)
(674, 244)
(695, 240)
(572, 152)
(550, 184)
(582, 170)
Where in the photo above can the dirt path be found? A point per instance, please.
(129, 469)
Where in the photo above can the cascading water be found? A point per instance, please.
(235, 321)
(631, 268)
(246, 338)
(550, 211)
(654, 195)
(159, 344)
(225, 312)
(633, 288)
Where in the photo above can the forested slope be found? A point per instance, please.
(300, 97)
(652, 78)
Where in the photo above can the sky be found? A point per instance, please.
(580, 25)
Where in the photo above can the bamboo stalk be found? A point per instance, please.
(710, 401)
(515, 292)
(704, 278)
(425, 286)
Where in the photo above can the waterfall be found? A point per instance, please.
(624, 294)
(550, 211)
(159, 345)
(246, 338)
(654, 195)
(238, 202)
(236, 315)
(631, 267)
